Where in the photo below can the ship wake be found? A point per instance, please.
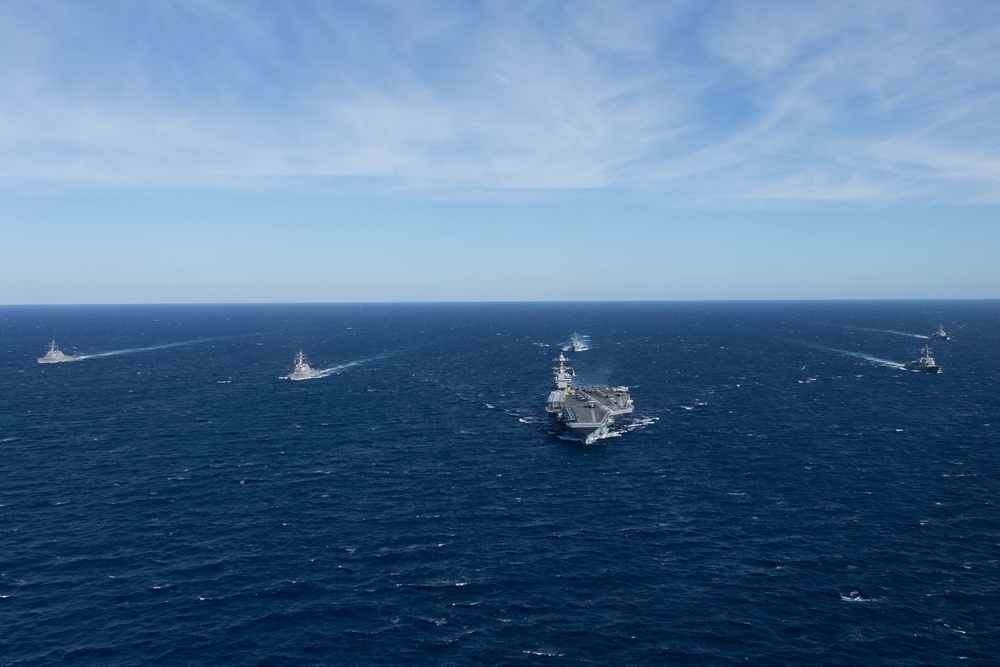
(889, 331)
(333, 370)
(634, 424)
(133, 350)
(888, 363)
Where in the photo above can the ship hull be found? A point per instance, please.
(587, 434)
(304, 376)
(56, 360)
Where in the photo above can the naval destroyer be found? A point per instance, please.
(925, 364)
(55, 355)
(586, 412)
(302, 370)
(940, 334)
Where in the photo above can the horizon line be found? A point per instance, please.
(509, 302)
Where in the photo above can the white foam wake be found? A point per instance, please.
(133, 350)
(889, 331)
(350, 364)
(333, 370)
(858, 355)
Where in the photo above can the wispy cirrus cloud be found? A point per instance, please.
(777, 100)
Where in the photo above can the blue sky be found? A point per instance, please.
(215, 151)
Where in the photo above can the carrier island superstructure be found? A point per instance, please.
(586, 412)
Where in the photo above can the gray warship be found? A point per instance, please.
(302, 370)
(940, 334)
(586, 412)
(55, 356)
(925, 364)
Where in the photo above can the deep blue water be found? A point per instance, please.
(783, 493)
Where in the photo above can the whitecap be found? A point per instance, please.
(855, 596)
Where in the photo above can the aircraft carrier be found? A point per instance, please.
(586, 412)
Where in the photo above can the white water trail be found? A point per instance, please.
(890, 331)
(350, 364)
(858, 355)
(133, 350)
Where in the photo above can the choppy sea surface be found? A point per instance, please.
(785, 493)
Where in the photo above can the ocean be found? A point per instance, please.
(784, 493)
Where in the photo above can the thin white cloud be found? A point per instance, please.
(730, 100)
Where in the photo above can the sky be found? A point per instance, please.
(213, 151)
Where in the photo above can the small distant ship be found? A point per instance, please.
(577, 343)
(925, 364)
(940, 334)
(55, 355)
(302, 369)
(587, 413)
